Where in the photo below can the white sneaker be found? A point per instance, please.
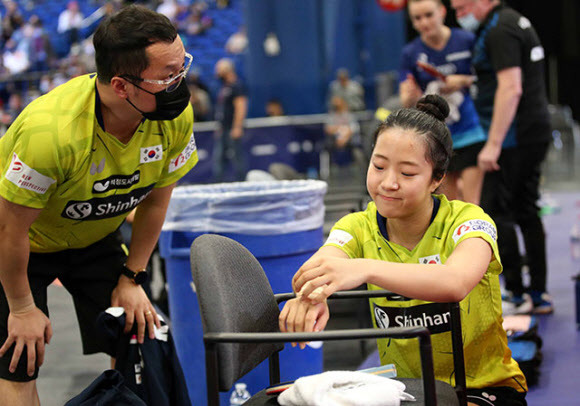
(517, 304)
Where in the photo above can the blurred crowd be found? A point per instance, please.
(35, 59)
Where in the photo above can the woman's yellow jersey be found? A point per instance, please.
(488, 360)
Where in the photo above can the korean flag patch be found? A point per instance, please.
(431, 259)
(151, 154)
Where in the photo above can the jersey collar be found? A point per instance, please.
(98, 111)
(382, 221)
(488, 17)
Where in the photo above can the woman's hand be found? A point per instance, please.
(409, 91)
(300, 316)
(453, 83)
(321, 276)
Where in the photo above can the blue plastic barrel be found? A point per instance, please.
(294, 208)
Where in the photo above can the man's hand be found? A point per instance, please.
(236, 133)
(299, 316)
(137, 307)
(30, 329)
(488, 157)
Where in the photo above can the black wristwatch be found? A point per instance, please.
(139, 277)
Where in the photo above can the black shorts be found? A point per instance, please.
(89, 274)
(464, 157)
(497, 396)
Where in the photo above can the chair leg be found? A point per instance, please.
(274, 363)
(211, 370)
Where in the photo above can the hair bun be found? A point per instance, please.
(434, 105)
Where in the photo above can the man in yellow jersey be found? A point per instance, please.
(72, 166)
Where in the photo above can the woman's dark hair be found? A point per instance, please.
(121, 39)
(427, 119)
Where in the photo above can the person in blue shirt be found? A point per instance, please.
(448, 51)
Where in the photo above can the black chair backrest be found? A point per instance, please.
(229, 280)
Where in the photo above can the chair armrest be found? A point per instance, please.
(347, 294)
(349, 334)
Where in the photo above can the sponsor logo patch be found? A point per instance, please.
(537, 54)
(151, 154)
(105, 207)
(455, 56)
(27, 178)
(431, 259)
(524, 23)
(116, 182)
(338, 237)
(472, 226)
(97, 168)
(435, 316)
(183, 156)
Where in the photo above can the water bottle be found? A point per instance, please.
(240, 395)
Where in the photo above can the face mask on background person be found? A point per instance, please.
(469, 22)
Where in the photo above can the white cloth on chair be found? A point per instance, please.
(344, 388)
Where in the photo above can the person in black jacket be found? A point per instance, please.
(513, 107)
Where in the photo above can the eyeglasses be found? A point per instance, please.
(172, 83)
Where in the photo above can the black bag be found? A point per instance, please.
(525, 344)
(108, 389)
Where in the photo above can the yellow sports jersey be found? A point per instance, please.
(488, 360)
(56, 157)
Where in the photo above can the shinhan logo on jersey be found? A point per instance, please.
(116, 182)
(431, 259)
(151, 154)
(471, 226)
(27, 178)
(105, 207)
(435, 316)
(183, 156)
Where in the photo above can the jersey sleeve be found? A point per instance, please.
(503, 46)
(239, 90)
(345, 235)
(32, 161)
(182, 154)
(479, 226)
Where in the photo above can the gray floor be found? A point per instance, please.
(66, 372)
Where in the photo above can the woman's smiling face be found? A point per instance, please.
(400, 178)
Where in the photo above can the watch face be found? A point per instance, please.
(141, 278)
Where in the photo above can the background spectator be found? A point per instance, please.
(349, 90)
(231, 110)
(70, 21)
(200, 98)
(238, 41)
(274, 108)
(12, 19)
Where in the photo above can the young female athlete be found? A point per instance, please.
(448, 52)
(421, 246)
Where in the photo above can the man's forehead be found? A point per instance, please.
(164, 54)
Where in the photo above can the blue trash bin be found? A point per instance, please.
(279, 222)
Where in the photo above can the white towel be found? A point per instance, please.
(344, 388)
